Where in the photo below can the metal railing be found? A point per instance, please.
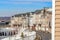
(32, 37)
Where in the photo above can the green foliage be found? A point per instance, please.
(37, 38)
(22, 35)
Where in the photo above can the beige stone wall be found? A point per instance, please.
(57, 20)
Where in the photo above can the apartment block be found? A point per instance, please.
(37, 20)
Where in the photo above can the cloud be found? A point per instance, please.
(6, 2)
(22, 1)
(34, 0)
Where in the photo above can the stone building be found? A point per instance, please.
(38, 20)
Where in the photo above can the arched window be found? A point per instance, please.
(2, 33)
(5, 34)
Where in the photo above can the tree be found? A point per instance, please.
(38, 38)
(22, 35)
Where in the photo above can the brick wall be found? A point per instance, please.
(57, 20)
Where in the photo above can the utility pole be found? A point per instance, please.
(28, 20)
(44, 15)
(28, 23)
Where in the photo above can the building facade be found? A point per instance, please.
(38, 20)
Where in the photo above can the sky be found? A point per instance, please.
(12, 7)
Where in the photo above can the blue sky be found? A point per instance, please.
(11, 7)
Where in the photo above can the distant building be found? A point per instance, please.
(4, 21)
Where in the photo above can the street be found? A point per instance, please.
(44, 35)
